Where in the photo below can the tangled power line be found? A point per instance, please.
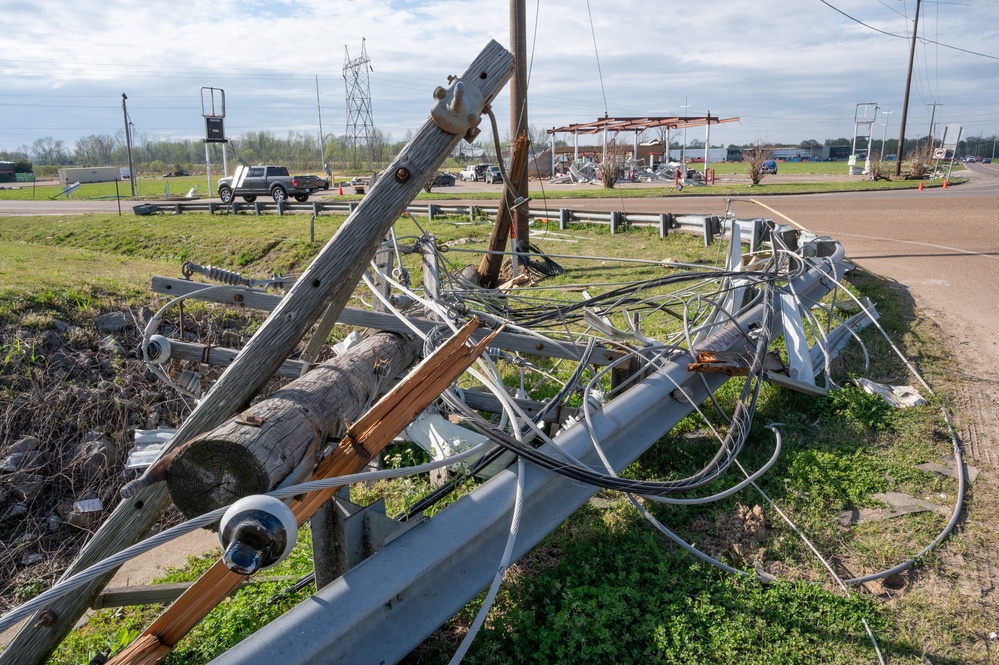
(652, 322)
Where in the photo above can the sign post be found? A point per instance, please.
(213, 111)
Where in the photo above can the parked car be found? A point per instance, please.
(769, 166)
(987, 160)
(493, 175)
(443, 179)
(473, 172)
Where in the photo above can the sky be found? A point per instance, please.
(790, 70)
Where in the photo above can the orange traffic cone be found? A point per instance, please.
(920, 187)
(341, 189)
(945, 184)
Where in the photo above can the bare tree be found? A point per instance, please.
(754, 158)
(917, 162)
(611, 168)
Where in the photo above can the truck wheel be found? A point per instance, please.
(225, 194)
(279, 195)
(250, 198)
(301, 198)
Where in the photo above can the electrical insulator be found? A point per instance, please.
(190, 381)
(257, 532)
(158, 349)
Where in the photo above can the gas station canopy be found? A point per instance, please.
(640, 124)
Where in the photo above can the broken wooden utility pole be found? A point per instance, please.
(275, 440)
(327, 283)
(518, 119)
(363, 440)
(489, 267)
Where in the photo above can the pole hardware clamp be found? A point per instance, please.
(458, 108)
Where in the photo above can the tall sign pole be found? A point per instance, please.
(213, 111)
(905, 102)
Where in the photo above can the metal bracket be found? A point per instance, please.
(458, 109)
(368, 530)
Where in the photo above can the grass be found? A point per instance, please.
(153, 188)
(602, 587)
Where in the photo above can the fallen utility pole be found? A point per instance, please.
(380, 610)
(266, 444)
(327, 283)
(362, 441)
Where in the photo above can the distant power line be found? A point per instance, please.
(922, 39)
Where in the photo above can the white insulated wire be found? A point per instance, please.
(473, 630)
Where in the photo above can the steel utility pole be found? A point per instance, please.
(322, 137)
(128, 145)
(518, 115)
(905, 102)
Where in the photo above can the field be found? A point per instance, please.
(794, 177)
(603, 587)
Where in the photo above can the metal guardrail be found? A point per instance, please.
(707, 225)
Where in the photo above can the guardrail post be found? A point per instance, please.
(710, 222)
(616, 221)
(757, 238)
(211, 207)
(431, 212)
(351, 205)
(315, 208)
(280, 207)
(665, 221)
(564, 217)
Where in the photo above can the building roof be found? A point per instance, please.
(640, 124)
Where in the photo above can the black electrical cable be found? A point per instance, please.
(494, 454)
(536, 316)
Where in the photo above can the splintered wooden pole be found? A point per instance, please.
(326, 284)
(257, 450)
(489, 267)
(363, 440)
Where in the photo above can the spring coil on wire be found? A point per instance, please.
(214, 273)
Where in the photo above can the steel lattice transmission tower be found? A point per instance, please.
(360, 123)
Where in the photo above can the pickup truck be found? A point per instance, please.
(274, 181)
(473, 172)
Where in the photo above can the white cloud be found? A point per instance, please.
(790, 70)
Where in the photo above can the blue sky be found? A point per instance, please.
(790, 70)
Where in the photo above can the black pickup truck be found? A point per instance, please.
(274, 181)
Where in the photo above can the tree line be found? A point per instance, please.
(300, 151)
